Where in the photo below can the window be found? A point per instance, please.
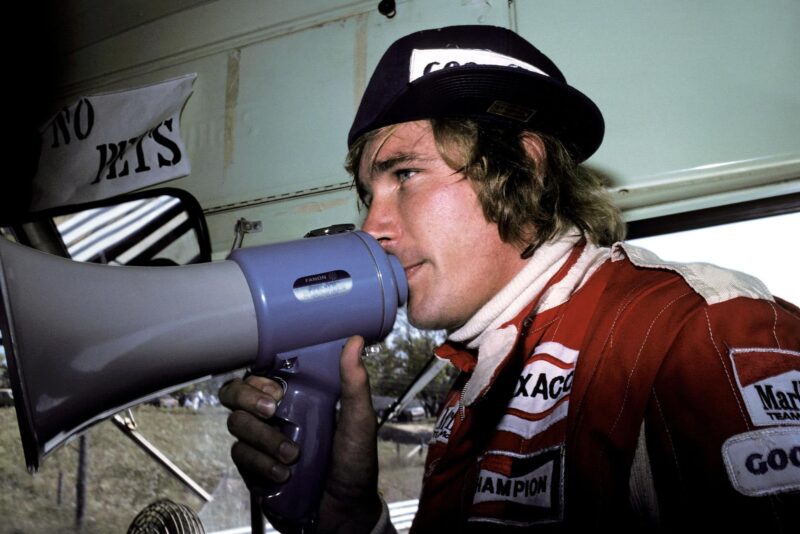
(735, 237)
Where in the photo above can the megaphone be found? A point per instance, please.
(84, 341)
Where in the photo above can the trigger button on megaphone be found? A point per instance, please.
(281, 382)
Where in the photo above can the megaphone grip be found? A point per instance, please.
(306, 415)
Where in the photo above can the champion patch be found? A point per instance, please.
(769, 380)
(763, 462)
(541, 397)
(520, 489)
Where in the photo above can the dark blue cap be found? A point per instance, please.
(477, 72)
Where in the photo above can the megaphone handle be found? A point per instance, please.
(306, 415)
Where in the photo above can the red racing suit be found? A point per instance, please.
(702, 397)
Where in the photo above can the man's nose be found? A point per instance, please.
(381, 223)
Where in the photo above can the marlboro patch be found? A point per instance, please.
(769, 381)
(441, 432)
(520, 490)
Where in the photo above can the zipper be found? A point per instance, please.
(461, 407)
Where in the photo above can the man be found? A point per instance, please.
(599, 385)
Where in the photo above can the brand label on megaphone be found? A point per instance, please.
(323, 285)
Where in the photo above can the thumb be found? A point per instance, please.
(353, 476)
(356, 400)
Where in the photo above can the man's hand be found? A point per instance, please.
(350, 501)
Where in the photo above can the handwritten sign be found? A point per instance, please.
(108, 144)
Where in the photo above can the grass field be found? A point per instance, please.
(122, 479)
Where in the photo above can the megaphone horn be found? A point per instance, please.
(84, 341)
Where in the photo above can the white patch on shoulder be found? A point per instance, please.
(763, 462)
(715, 284)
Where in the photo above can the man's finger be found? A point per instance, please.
(261, 437)
(257, 467)
(266, 385)
(257, 395)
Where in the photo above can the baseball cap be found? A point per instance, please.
(477, 72)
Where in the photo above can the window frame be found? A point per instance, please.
(718, 215)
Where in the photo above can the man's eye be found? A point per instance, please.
(404, 174)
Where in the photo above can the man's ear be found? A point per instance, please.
(534, 147)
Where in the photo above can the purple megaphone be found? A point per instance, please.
(114, 337)
(310, 296)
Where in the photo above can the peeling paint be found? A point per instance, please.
(231, 100)
(319, 207)
(360, 59)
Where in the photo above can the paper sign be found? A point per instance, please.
(108, 144)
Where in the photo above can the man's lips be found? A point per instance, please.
(412, 269)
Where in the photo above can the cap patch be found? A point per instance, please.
(426, 61)
(511, 111)
(769, 381)
(763, 462)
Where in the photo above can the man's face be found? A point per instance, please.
(429, 216)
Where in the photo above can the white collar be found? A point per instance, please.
(518, 293)
(483, 330)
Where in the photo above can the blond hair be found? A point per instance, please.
(531, 201)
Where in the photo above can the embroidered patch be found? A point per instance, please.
(511, 111)
(763, 462)
(441, 432)
(542, 392)
(769, 381)
(520, 490)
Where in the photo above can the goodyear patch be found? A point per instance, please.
(541, 396)
(763, 462)
(769, 381)
(520, 490)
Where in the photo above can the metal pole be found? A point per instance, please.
(80, 484)
(256, 517)
(159, 456)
